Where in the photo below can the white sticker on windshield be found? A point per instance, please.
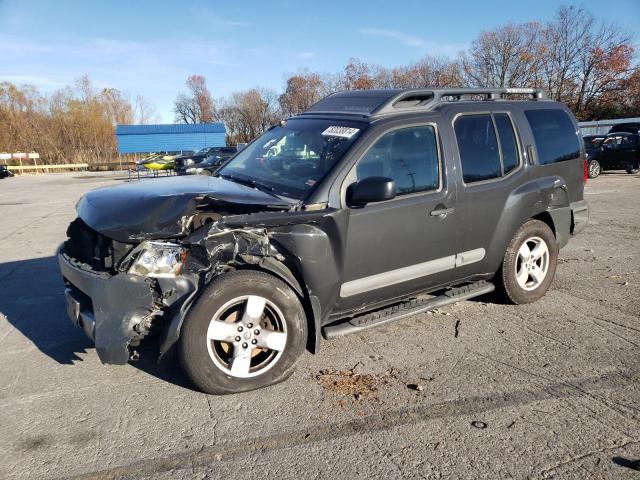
(344, 132)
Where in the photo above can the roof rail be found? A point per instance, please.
(420, 100)
(369, 103)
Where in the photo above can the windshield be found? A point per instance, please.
(291, 159)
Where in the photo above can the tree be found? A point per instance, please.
(196, 106)
(145, 111)
(357, 76)
(505, 57)
(302, 91)
(248, 114)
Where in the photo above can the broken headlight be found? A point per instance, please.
(159, 259)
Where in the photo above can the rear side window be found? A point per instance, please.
(555, 135)
(487, 145)
(510, 158)
(409, 156)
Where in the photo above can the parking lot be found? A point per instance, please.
(478, 389)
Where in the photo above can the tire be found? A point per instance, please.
(509, 284)
(632, 171)
(594, 169)
(226, 312)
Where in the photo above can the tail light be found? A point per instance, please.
(585, 171)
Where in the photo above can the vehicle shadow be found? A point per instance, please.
(625, 462)
(33, 302)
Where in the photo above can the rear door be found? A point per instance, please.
(409, 243)
(490, 155)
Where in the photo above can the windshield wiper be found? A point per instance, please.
(249, 183)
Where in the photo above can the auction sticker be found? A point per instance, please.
(344, 132)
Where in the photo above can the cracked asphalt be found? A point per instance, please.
(546, 390)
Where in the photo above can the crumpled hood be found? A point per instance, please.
(154, 208)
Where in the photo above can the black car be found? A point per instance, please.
(619, 150)
(211, 164)
(188, 164)
(5, 172)
(369, 207)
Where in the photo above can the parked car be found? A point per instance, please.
(211, 164)
(337, 220)
(616, 151)
(629, 127)
(183, 162)
(5, 172)
(214, 158)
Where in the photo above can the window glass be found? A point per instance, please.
(555, 135)
(408, 156)
(478, 148)
(510, 157)
(290, 159)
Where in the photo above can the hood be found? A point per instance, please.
(154, 208)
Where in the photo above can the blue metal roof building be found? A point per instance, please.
(169, 138)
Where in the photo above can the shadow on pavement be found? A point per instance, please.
(624, 462)
(32, 299)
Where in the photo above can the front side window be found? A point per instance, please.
(555, 135)
(292, 158)
(409, 156)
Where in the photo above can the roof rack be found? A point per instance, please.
(370, 103)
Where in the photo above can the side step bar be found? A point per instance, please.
(406, 309)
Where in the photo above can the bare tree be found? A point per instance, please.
(144, 111)
(302, 91)
(505, 57)
(196, 106)
(248, 114)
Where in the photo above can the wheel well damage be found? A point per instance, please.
(219, 244)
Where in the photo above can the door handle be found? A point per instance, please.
(442, 212)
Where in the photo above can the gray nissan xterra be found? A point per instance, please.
(369, 207)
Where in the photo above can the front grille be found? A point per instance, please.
(87, 246)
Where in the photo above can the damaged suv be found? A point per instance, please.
(369, 207)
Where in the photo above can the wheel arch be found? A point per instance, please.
(309, 302)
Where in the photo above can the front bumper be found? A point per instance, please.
(114, 310)
(579, 216)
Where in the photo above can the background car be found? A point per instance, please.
(5, 172)
(216, 158)
(619, 150)
(182, 162)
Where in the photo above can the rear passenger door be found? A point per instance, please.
(491, 168)
(408, 243)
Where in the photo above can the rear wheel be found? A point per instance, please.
(246, 332)
(594, 168)
(529, 263)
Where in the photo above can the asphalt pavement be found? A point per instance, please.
(475, 390)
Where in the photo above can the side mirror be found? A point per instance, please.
(371, 189)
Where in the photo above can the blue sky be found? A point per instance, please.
(150, 47)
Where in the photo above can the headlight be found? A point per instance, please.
(159, 259)
(188, 161)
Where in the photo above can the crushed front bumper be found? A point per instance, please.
(112, 308)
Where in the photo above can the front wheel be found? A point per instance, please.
(529, 263)
(246, 332)
(594, 168)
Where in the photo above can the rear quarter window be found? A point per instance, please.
(555, 135)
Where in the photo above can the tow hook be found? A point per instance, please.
(135, 356)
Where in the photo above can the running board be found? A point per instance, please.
(406, 309)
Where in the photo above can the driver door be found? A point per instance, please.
(406, 244)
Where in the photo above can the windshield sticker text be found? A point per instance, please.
(344, 132)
